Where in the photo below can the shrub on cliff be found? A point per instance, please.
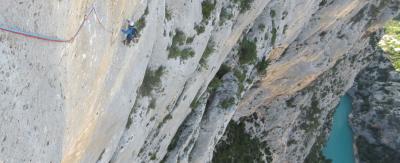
(262, 65)
(199, 28)
(390, 43)
(168, 14)
(224, 69)
(244, 5)
(141, 23)
(214, 84)
(225, 104)
(207, 52)
(176, 51)
(247, 52)
(151, 80)
(273, 38)
(239, 146)
(226, 14)
(207, 7)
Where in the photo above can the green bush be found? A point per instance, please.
(225, 104)
(140, 24)
(261, 27)
(207, 7)
(241, 77)
(179, 38)
(195, 103)
(217, 82)
(153, 156)
(166, 118)
(244, 5)
(247, 52)
(390, 43)
(224, 69)
(262, 65)
(272, 13)
(214, 84)
(189, 40)
(151, 80)
(224, 15)
(207, 52)
(240, 147)
(168, 15)
(175, 51)
(199, 28)
(273, 37)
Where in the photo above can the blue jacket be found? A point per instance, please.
(130, 32)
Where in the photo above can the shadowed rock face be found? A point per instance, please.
(166, 97)
(375, 118)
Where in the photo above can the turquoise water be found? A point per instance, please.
(339, 147)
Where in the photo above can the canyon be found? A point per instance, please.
(202, 75)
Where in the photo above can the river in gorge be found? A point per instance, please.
(339, 147)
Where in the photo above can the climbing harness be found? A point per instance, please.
(54, 39)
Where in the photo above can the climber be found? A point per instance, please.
(131, 32)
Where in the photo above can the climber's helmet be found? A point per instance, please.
(131, 24)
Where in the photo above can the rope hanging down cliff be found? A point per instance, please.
(49, 38)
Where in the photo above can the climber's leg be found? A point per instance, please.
(128, 39)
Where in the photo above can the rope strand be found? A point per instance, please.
(53, 39)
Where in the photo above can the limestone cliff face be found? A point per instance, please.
(96, 100)
(376, 112)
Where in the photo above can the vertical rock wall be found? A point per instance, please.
(97, 100)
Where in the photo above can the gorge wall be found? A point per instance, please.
(274, 67)
(375, 117)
